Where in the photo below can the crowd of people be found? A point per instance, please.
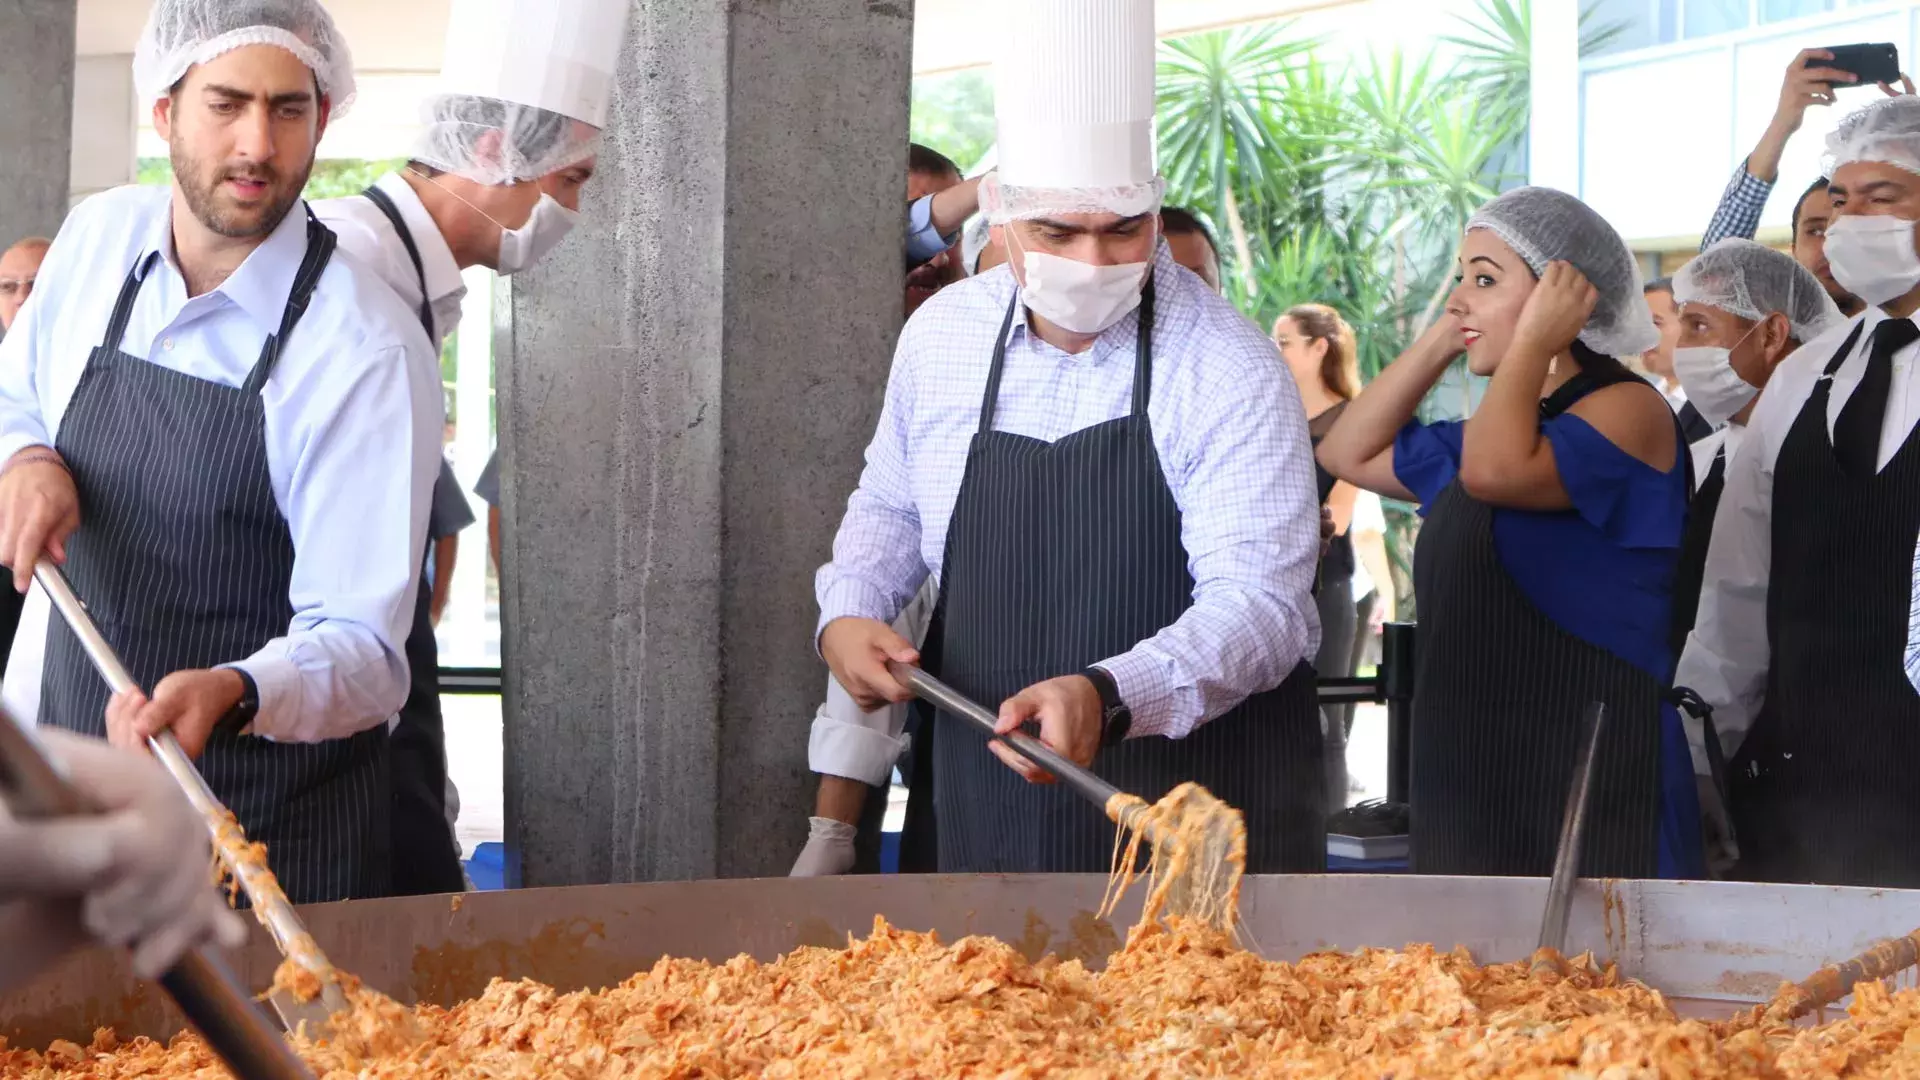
(1097, 499)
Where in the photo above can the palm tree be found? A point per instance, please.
(1216, 98)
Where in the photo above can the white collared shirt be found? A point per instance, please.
(1231, 435)
(1707, 447)
(353, 414)
(366, 233)
(1726, 657)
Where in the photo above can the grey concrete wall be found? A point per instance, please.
(36, 123)
(686, 387)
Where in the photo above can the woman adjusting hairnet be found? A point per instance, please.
(1545, 566)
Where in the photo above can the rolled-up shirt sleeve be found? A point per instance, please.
(877, 564)
(1242, 475)
(356, 505)
(923, 240)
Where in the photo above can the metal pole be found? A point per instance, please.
(1396, 682)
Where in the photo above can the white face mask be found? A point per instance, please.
(545, 228)
(1706, 373)
(1873, 256)
(1079, 297)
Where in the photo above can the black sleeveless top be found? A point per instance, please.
(1337, 565)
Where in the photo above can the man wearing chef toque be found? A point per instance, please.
(523, 95)
(227, 433)
(1799, 641)
(1105, 470)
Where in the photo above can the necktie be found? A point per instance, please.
(1856, 435)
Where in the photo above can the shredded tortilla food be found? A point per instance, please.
(1176, 1002)
(1181, 999)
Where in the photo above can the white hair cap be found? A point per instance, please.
(1753, 281)
(493, 141)
(1542, 225)
(1887, 131)
(182, 33)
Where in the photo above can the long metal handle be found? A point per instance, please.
(270, 904)
(1098, 791)
(1573, 832)
(200, 983)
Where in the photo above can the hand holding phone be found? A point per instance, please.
(1876, 63)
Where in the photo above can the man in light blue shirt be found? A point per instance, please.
(227, 433)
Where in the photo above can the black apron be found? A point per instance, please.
(1691, 573)
(1029, 592)
(1822, 789)
(426, 857)
(185, 560)
(1499, 693)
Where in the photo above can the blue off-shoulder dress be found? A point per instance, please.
(1603, 571)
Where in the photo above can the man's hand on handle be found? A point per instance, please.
(139, 866)
(39, 509)
(188, 703)
(857, 651)
(1068, 712)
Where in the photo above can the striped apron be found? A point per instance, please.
(1060, 555)
(185, 562)
(1822, 789)
(1499, 692)
(426, 857)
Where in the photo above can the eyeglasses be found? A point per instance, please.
(12, 287)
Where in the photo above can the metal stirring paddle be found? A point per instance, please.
(207, 992)
(270, 905)
(1573, 833)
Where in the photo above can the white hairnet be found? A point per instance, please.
(531, 142)
(182, 33)
(1004, 202)
(1753, 281)
(1887, 131)
(1542, 225)
(973, 241)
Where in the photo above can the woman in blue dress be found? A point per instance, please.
(1544, 569)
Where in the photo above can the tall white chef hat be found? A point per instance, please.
(1073, 93)
(182, 33)
(524, 87)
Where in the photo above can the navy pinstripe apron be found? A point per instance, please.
(1822, 789)
(1059, 555)
(426, 857)
(185, 561)
(1498, 695)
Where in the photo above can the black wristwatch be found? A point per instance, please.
(245, 709)
(1115, 718)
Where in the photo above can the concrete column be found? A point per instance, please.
(687, 385)
(1554, 129)
(36, 126)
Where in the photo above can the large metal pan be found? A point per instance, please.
(1710, 946)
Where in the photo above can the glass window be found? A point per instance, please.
(1781, 10)
(1707, 17)
(1611, 26)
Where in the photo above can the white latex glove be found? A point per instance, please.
(140, 869)
(829, 850)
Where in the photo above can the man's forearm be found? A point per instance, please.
(841, 799)
(1764, 161)
(952, 207)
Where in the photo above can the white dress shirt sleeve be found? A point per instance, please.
(877, 564)
(1242, 474)
(356, 504)
(863, 746)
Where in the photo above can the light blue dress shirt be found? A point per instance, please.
(1232, 438)
(353, 428)
(923, 240)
